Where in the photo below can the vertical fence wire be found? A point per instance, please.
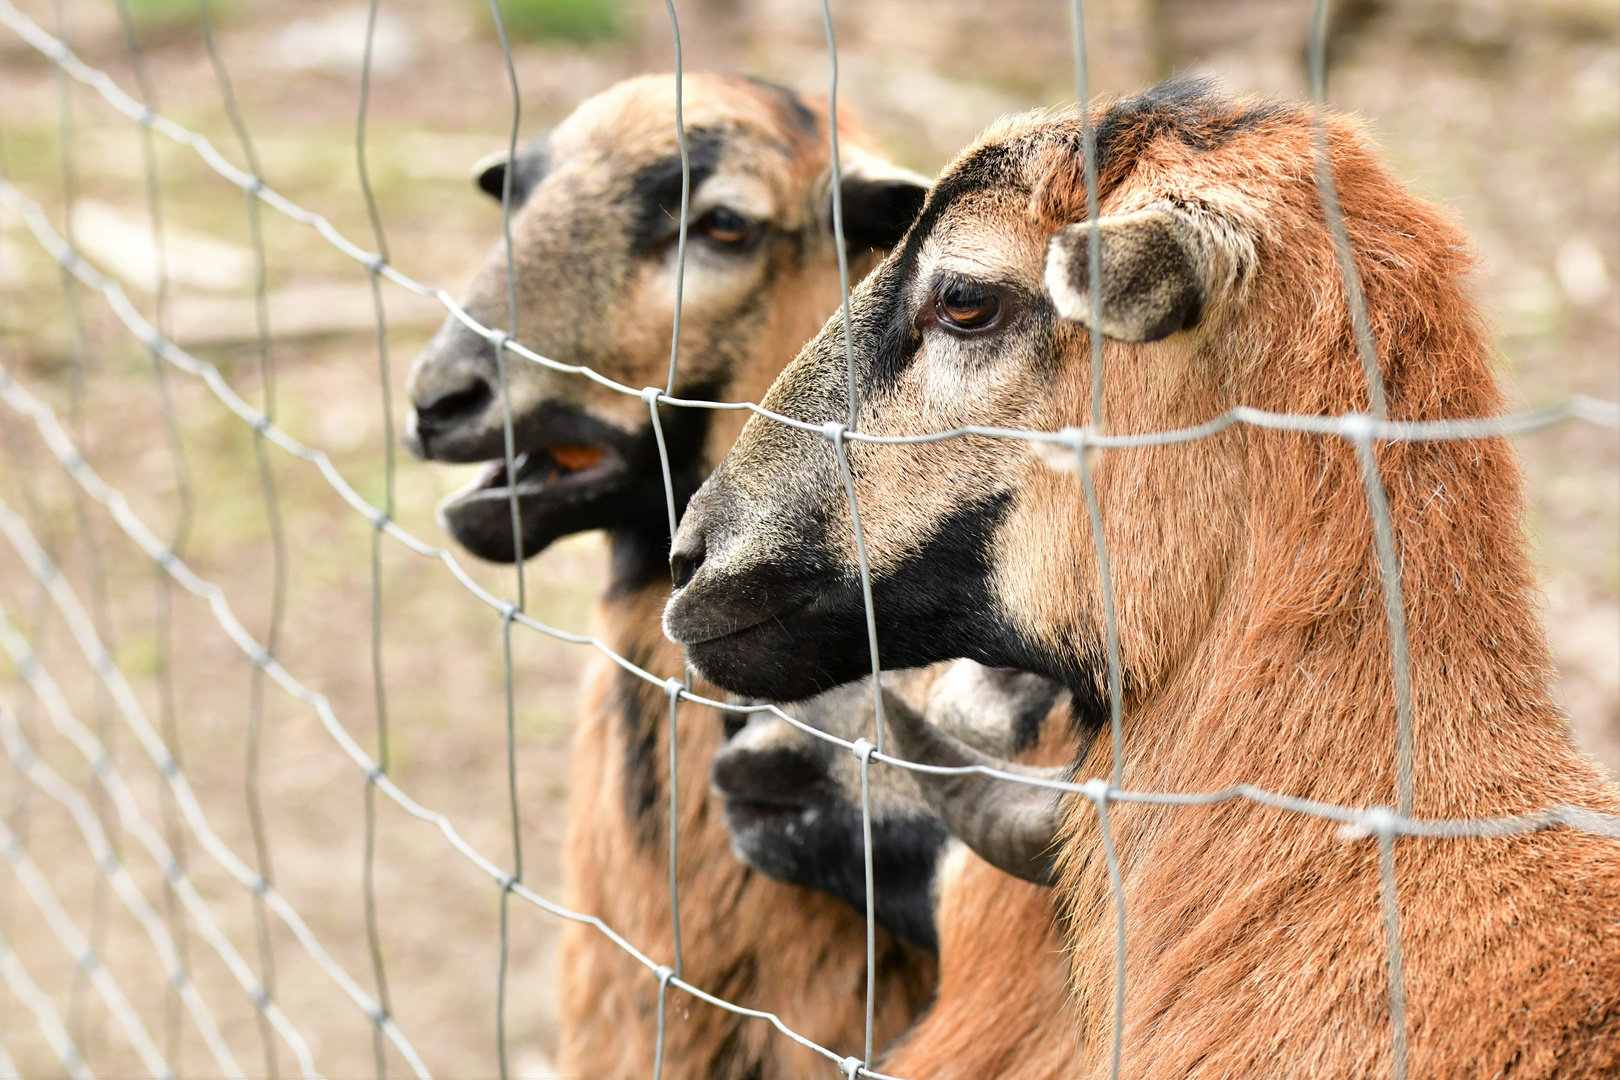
(835, 432)
(162, 601)
(1105, 578)
(674, 686)
(368, 877)
(272, 509)
(78, 378)
(509, 336)
(501, 342)
(82, 630)
(1382, 527)
(1367, 349)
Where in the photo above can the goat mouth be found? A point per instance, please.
(580, 467)
(561, 489)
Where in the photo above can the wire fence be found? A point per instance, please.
(184, 822)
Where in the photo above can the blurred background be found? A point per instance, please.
(1505, 111)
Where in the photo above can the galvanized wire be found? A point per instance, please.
(86, 958)
(106, 859)
(1361, 431)
(37, 1002)
(113, 678)
(368, 874)
(272, 509)
(163, 631)
(78, 357)
(111, 781)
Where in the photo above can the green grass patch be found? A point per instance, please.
(566, 20)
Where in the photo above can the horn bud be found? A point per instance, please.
(1011, 826)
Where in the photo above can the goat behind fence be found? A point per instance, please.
(118, 807)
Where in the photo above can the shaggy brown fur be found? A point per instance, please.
(1003, 1007)
(594, 249)
(746, 938)
(1249, 601)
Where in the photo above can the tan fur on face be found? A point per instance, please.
(1249, 606)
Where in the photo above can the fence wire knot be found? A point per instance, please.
(664, 973)
(674, 687)
(1357, 427)
(1098, 791)
(1373, 821)
(650, 395)
(852, 1067)
(862, 748)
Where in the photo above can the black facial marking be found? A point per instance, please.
(789, 818)
(936, 605)
(655, 189)
(821, 848)
(640, 718)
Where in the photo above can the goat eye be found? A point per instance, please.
(966, 305)
(727, 228)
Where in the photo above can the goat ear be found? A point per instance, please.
(489, 173)
(1152, 275)
(880, 201)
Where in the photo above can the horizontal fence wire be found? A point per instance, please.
(1063, 449)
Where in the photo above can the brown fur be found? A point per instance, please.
(1003, 1006)
(745, 937)
(1249, 602)
(593, 246)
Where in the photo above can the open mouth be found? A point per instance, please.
(565, 467)
(561, 489)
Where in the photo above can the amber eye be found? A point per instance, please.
(966, 305)
(727, 228)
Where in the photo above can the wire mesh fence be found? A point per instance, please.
(113, 812)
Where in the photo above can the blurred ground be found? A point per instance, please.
(1507, 112)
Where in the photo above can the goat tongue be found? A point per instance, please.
(575, 456)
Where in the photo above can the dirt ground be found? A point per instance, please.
(1507, 112)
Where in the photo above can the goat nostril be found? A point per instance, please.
(448, 409)
(686, 558)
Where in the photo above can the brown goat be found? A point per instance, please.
(594, 228)
(1253, 637)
